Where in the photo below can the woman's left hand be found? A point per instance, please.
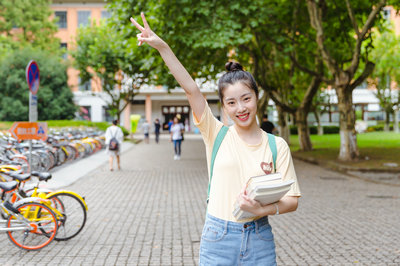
(249, 205)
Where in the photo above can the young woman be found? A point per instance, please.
(114, 132)
(243, 153)
(176, 137)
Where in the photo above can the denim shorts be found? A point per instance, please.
(229, 243)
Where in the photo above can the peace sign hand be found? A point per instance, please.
(147, 35)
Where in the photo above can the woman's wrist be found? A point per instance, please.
(268, 210)
(164, 47)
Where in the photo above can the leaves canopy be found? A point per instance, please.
(104, 55)
(55, 99)
(26, 22)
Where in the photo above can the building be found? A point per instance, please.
(156, 102)
(151, 103)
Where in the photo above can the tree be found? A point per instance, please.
(204, 34)
(387, 73)
(55, 99)
(27, 22)
(104, 55)
(341, 29)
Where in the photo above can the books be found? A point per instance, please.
(266, 189)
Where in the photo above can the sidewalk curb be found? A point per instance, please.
(73, 171)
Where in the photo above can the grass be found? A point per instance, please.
(376, 149)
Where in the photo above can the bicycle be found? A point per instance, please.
(30, 224)
(69, 207)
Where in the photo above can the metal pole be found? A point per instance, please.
(30, 141)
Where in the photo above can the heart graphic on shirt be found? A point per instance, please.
(266, 167)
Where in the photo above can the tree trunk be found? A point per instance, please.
(262, 106)
(396, 120)
(387, 122)
(284, 130)
(302, 130)
(319, 126)
(348, 137)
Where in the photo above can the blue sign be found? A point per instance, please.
(32, 76)
(41, 131)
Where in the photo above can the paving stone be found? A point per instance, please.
(152, 213)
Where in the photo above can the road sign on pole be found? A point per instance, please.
(33, 78)
(29, 130)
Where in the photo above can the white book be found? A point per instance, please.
(264, 193)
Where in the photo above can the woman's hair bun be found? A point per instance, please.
(233, 66)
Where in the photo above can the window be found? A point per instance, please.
(105, 14)
(64, 46)
(85, 113)
(85, 86)
(106, 115)
(83, 18)
(62, 19)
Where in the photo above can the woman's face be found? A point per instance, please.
(240, 103)
(175, 120)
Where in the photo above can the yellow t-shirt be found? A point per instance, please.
(236, 162)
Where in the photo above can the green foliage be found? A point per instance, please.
(82, 123)
(54, 96)
(26, 22)
(102, 53)
(379, 128)
(387, 57)
(314, 130)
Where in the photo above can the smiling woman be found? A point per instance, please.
(242, 152)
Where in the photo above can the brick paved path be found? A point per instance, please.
(152, 212)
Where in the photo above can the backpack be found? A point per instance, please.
(218, 140)
(113, 145)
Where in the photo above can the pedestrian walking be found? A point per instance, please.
(267, 125)
(170, 124)
(146, 131)
(177, 129)
(157, 127)
(243, 153)
(114, 138)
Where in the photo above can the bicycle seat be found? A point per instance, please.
(7, 186)
(20, 177)
(42, 176)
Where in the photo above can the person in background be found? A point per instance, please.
(170, 124)
(176, 137)
(146, 130)
(157, 126)
(267, 125)
(114, 132)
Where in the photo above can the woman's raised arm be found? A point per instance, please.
(196, 99)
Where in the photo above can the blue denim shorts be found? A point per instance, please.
(229, 243)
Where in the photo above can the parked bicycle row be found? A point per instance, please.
(60, 147)
(33, 217)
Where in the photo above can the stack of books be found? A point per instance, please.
(266, 189)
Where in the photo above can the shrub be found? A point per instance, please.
(314, 130)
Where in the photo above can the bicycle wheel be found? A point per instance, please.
(71, 217)
(41, 230)
(61, 156)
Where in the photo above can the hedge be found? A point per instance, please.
(379, 127)
(314, 130)
(71, 123)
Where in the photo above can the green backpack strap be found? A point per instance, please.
(217, 143)
(272, 146)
